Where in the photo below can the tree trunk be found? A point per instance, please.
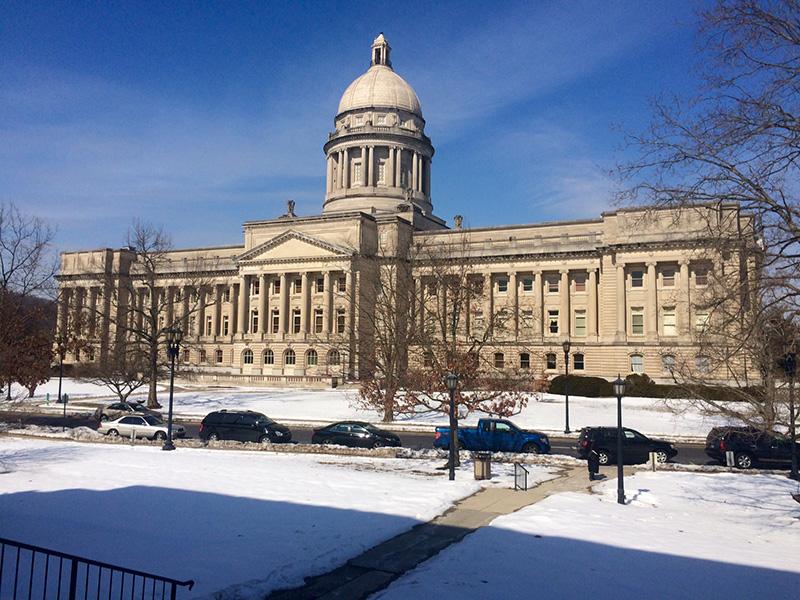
(388, 404)
(31, 391)
(152, 396)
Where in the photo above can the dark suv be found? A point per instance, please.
(750, 447)
(636, 447)
(243, 426)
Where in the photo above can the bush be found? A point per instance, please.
(579, 385)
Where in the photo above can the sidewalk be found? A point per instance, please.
(379, 566)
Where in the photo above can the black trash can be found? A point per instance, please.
(483, 465)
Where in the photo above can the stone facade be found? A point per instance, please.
(288, 305)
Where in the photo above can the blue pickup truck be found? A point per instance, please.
(494, 435)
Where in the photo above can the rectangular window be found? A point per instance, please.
(342, 283)
(637, 279)
(209, 321)
(226, 295)
(552, 321)
(276, 286)
(298, 286)
(552, 285)
(477, 321)
(669, 327)
(580, 323)
(255, 287)
(527, 284)
(701, 321)
(527, 318)
(340, 320)
(356, 174)
(318, 320)
(225, 322)
(320, 285)
(296, 320)
(550, 360)
(524, 360)
(637, 321)
(254, 321)
(276, 321)
(502, 285)
(427, 359)
(668, 278)
(637, 363)
(382, 172)
(499, 360)
(577, 362)
(580, 282)
(700, 277)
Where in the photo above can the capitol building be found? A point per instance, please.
(292, 303)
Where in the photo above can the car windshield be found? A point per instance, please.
(153, 420)
(139, 407)
(263, 420)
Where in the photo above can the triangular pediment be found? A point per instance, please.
(293, 245)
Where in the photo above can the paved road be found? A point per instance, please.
(687, 453)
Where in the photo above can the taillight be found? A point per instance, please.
(438, 435)
(201, 428)
(584, 443)
(722, 445)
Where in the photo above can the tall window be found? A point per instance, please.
(701, 277)
(668, 278)
(317, 320)
(527, 318)
(269, 357)
(637, 321)
(276, 286)
(254, 321)
(209, 321)
(298, 286)
(527, 284)
(580, 323)
(550, 360)
(296, 320)
(320, 285)
(382, 172)
(669, 321)
(524, 360)
(577, 361)
(225, 324)
(276, 321)
(499, 360)
(552, 321)
(311, 358)
(637, 363)
(333, 357)
(356, 174)
(427, 359)
(637, 279)
(342, 284)
(289, 357)
(668, 362)
(701, 321)
(203, 357)
(218, 356)
(226, 295)
(502, 285)
(255, 287)
(186, 355)
(340, 318)
(580, 282)
(552, 285)
(477, 321)
(247, 357)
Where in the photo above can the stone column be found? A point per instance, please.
(363, 181)
(340, 172)
(283, 309)
(263, 305)
(398, 178)
(564, 307)
(185, 310)
(685, 301)
(592, 316)
(79, 297)
(371, 167)
(414, 171)
(234, 313)
(63, 311)
(327, 317)
(538, 304)
(347, 168)
(514, 293)
(488, 300)
(201, 311)
(305, 303)
(217, 313)
(329, 175)
(141, 304)
(621, 308)
(652, 302)
(93, 312)
(244, 294)
(170, 306)
(390, 168)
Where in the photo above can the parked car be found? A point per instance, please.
(243, 426)
(120, 409)
(355, 434)
(494, 435)
(750, 447)
(636, 447)
(141, 426)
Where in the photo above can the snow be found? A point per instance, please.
(245, 522)
(682, 535)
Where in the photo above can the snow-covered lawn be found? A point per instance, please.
(253, 520)
(683, 535)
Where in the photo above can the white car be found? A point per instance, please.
(145, 426)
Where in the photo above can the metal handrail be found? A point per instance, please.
(76, 562)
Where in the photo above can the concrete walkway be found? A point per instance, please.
(379, 566)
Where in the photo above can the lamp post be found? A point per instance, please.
(451, 381)
(790, 368)
(566, 346)
(61, 348)
(174, 337)
(619, 391)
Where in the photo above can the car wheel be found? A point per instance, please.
(603, 457)
(213, 437)
(530, 448)
(376, 445)
(744, 461)
(112, 433)
(661, 456)
(264, 439)
(160, 435)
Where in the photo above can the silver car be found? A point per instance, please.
(145, 426)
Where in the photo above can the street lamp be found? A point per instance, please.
(451, 381)
(790, 368)
(174, 337)
(566, 346)
(61, 348)
(619, 392)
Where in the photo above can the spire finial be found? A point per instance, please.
(380, 51)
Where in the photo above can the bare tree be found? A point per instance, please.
(124, 370)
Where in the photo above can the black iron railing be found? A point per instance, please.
(32, 573)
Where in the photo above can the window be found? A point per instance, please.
(580, 323)
(269, 357)
(253, 321)
(255, 287)
(432, 288)
(317, 320)
(524, 360)
(701, 321)
(701, 277)
(669, 326)
(218, 356)
(192, 322)
(637, 363)
(298, 286)
(276, 286)
(225, 324)
(427, 359)
(226, 295)
(381, 167)
(499, 360)
(477, 324)
(333, 357)
(668, 278)
(340, 320)
(247, 357)
(577, 361)
(550, 360)
(209, 322)
(502, 285)
(527, 284)
(356, 180)
(342, 284)
(637, 279)
(311, 358)
(637, 321)
(186, 355)
(552, 285)
(289, 357)
(527, 318)
(296, 320)
(668, 363)
(320, 285)
(203, 356)
(580, 282)
(552, 321)
(702, 363)
(276, 321)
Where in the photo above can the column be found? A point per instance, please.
(263, 305)
(621, 309)
(305, 303)
(201, 311)
(686, 307)
(234, 301)
(350, 294)
(488, 300)
(390, 168)
(63, 310)
(398, 178)
(327, 318)
(140, 305)
(414, 171)
(512, 290)
(346, 168)
(284, 305)
(592, 316)
(363, 181)
(244, 296)
(420, 171)
(77, 309)
(170, 306)
(329, 175)
(217, 312)
(340, 172)
(93, 312)
(185, 310)
(564, 317)
(652, 302)
(371, 167)
(538, 304)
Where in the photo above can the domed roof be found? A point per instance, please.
(380, 86)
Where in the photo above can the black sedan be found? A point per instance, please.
(355, 434)
(636, 447)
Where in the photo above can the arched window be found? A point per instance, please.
(218, 355)
(203, 356)
(524, 360)
(499, 360)
(578, 361)
(668, 362)
(550, 360)
(311, 358)
(186, 355)
(333, 357)
(247, 357)
(637, 363)
(269, 357)
(289, 357)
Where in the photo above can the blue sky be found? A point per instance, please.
(200, 116)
